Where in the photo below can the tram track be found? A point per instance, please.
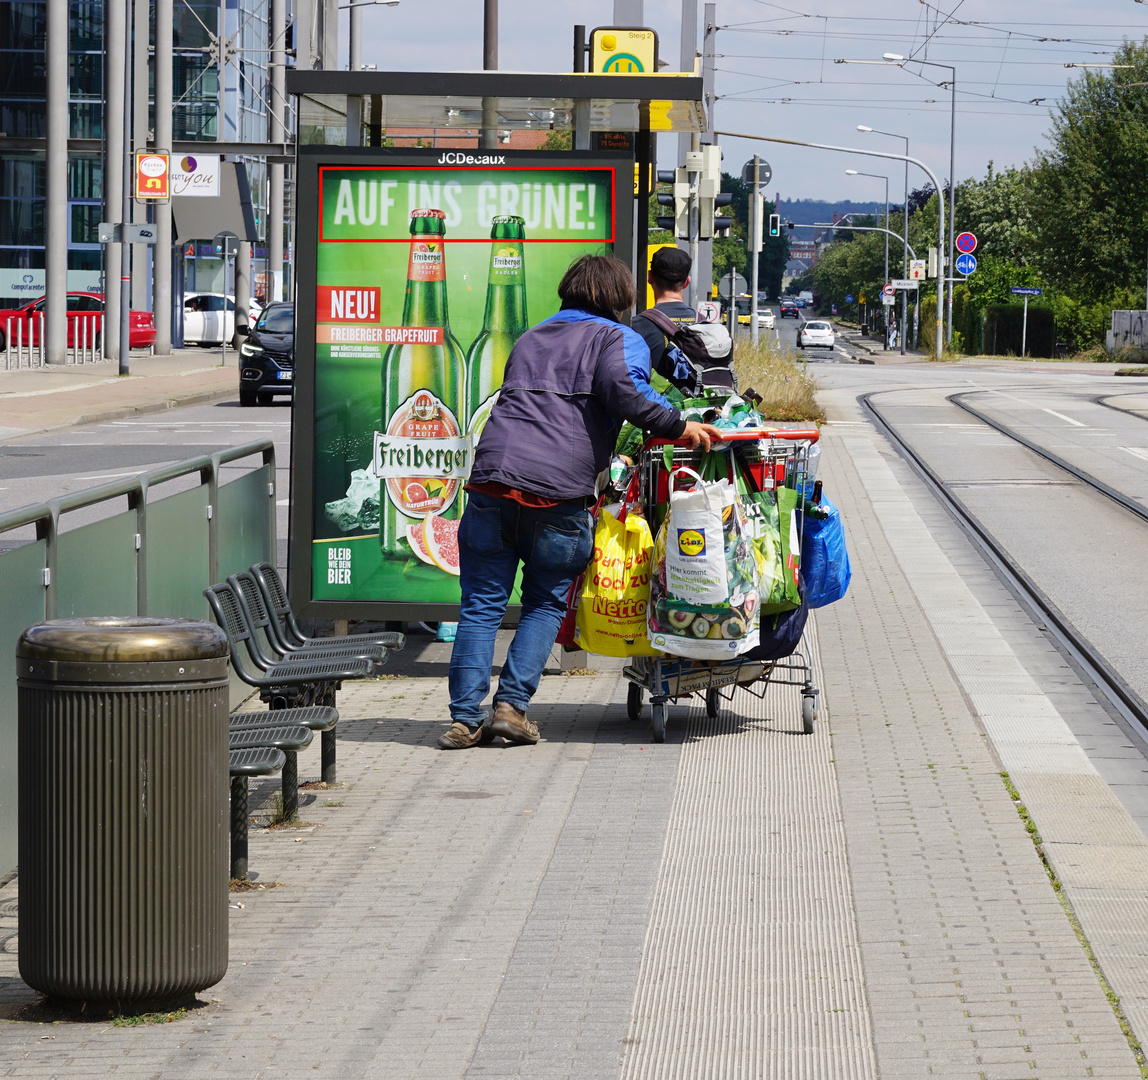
(1125, 702)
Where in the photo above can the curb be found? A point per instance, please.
(201, 398)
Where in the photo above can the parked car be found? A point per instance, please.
(815, 334)
(81, 305)
(789, 309)
(267, 356)
(764, 319)
(209, 318)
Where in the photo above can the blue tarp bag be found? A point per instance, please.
(824, 558)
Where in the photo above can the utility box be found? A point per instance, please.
(123, 806)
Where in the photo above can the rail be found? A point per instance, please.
(22, 340)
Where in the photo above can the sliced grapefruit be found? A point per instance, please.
(418, 545)
(440, 537)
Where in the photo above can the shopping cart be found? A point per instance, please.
(775, 457)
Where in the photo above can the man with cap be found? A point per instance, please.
(669, 277)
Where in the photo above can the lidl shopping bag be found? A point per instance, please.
(704, 588)
(611, 618)
(824, 557)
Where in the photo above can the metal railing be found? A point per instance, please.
(198, 534)
(25, 349)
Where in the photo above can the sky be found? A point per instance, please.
(776, 75)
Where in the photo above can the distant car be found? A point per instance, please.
(81, 305)
(764, 318)
(267, 356)
(799, 301)
(815, 335)
(209, 318)
(789, 309)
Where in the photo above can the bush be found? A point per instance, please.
(787, 389)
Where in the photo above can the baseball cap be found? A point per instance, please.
(671, 265)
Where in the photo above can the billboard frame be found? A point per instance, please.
(310, 159)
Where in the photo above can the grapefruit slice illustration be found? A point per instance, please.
(440, 537)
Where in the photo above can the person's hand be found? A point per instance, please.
(700, 434)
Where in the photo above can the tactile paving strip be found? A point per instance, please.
(751, 966)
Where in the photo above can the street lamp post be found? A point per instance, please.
(905, 234)
(355, 28)
(940, 343)
(950, 276)
(878, 176)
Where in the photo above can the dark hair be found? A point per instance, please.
(669, 269)
(598, 283)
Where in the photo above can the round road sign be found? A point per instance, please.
(764, 172)
(888, 290)
(739, 285)
(966, 264)
(849, 299)
(966, 243)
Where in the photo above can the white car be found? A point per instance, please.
(208, 318)
(815, 334)
(764, 318)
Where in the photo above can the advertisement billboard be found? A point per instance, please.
(418, 270)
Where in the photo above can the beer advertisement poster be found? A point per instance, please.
(425, 268)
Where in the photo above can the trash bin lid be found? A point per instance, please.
(122, 639)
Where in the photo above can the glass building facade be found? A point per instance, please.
(205, 108)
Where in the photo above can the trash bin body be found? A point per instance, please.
(123, 808)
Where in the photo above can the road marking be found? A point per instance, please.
(1061, 416)
(1136, 451)
(110, 475)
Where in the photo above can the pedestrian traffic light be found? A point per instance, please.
(774, 224)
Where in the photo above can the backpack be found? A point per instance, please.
(699, 355)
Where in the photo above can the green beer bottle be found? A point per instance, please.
(504, 322)
(423, 375)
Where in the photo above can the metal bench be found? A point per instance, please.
(275, 596)
(272, 676)
(320, 718)
(290, 738)
(268, 632)
(242, 765)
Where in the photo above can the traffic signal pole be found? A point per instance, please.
(755, 209)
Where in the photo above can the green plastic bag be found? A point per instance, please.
(773, 524)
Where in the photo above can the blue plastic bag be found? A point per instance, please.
(824, 558)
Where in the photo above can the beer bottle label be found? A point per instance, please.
(480, 416)
(506, 266)
(426, 262)
(423, 457)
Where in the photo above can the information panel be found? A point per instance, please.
(418, 271)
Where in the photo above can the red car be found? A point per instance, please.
(89, 305)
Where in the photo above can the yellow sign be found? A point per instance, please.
(623, 50)
(649, 260)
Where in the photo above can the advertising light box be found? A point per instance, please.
(418, 270)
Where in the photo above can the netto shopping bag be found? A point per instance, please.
(615, 592)
(704, 590)
(824, 557)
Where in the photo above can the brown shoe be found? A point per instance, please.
(460, 737)
(512, 725)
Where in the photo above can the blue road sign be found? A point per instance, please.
(849, 299)
(966, 264)
(1020, 290)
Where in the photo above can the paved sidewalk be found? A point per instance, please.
(741, 901)
(46, 398)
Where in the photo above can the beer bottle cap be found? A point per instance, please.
(507, 227)
(428, 222)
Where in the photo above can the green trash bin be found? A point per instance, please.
(123, 806)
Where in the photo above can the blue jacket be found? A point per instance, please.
(570, 381)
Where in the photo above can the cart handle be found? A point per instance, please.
(743, 435)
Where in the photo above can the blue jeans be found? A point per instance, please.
(554, 546)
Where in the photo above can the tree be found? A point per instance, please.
(1089, 191)
(998, 210)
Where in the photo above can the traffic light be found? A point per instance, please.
(679, 224)
(775, 225)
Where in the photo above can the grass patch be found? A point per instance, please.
(247, 885)
(1077, 929)
(787, 389)
(1141, 371)
(137, 1019)
(53, 1011)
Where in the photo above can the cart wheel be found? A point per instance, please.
(808, 713)
(713, 702)
(633, 701)
(659, 712)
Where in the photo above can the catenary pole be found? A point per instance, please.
(161, 297)
(940, 325)
(489, 135)
(55, 331)
(115, 38)
(278, 134)
(703, 270)
(124, 313)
